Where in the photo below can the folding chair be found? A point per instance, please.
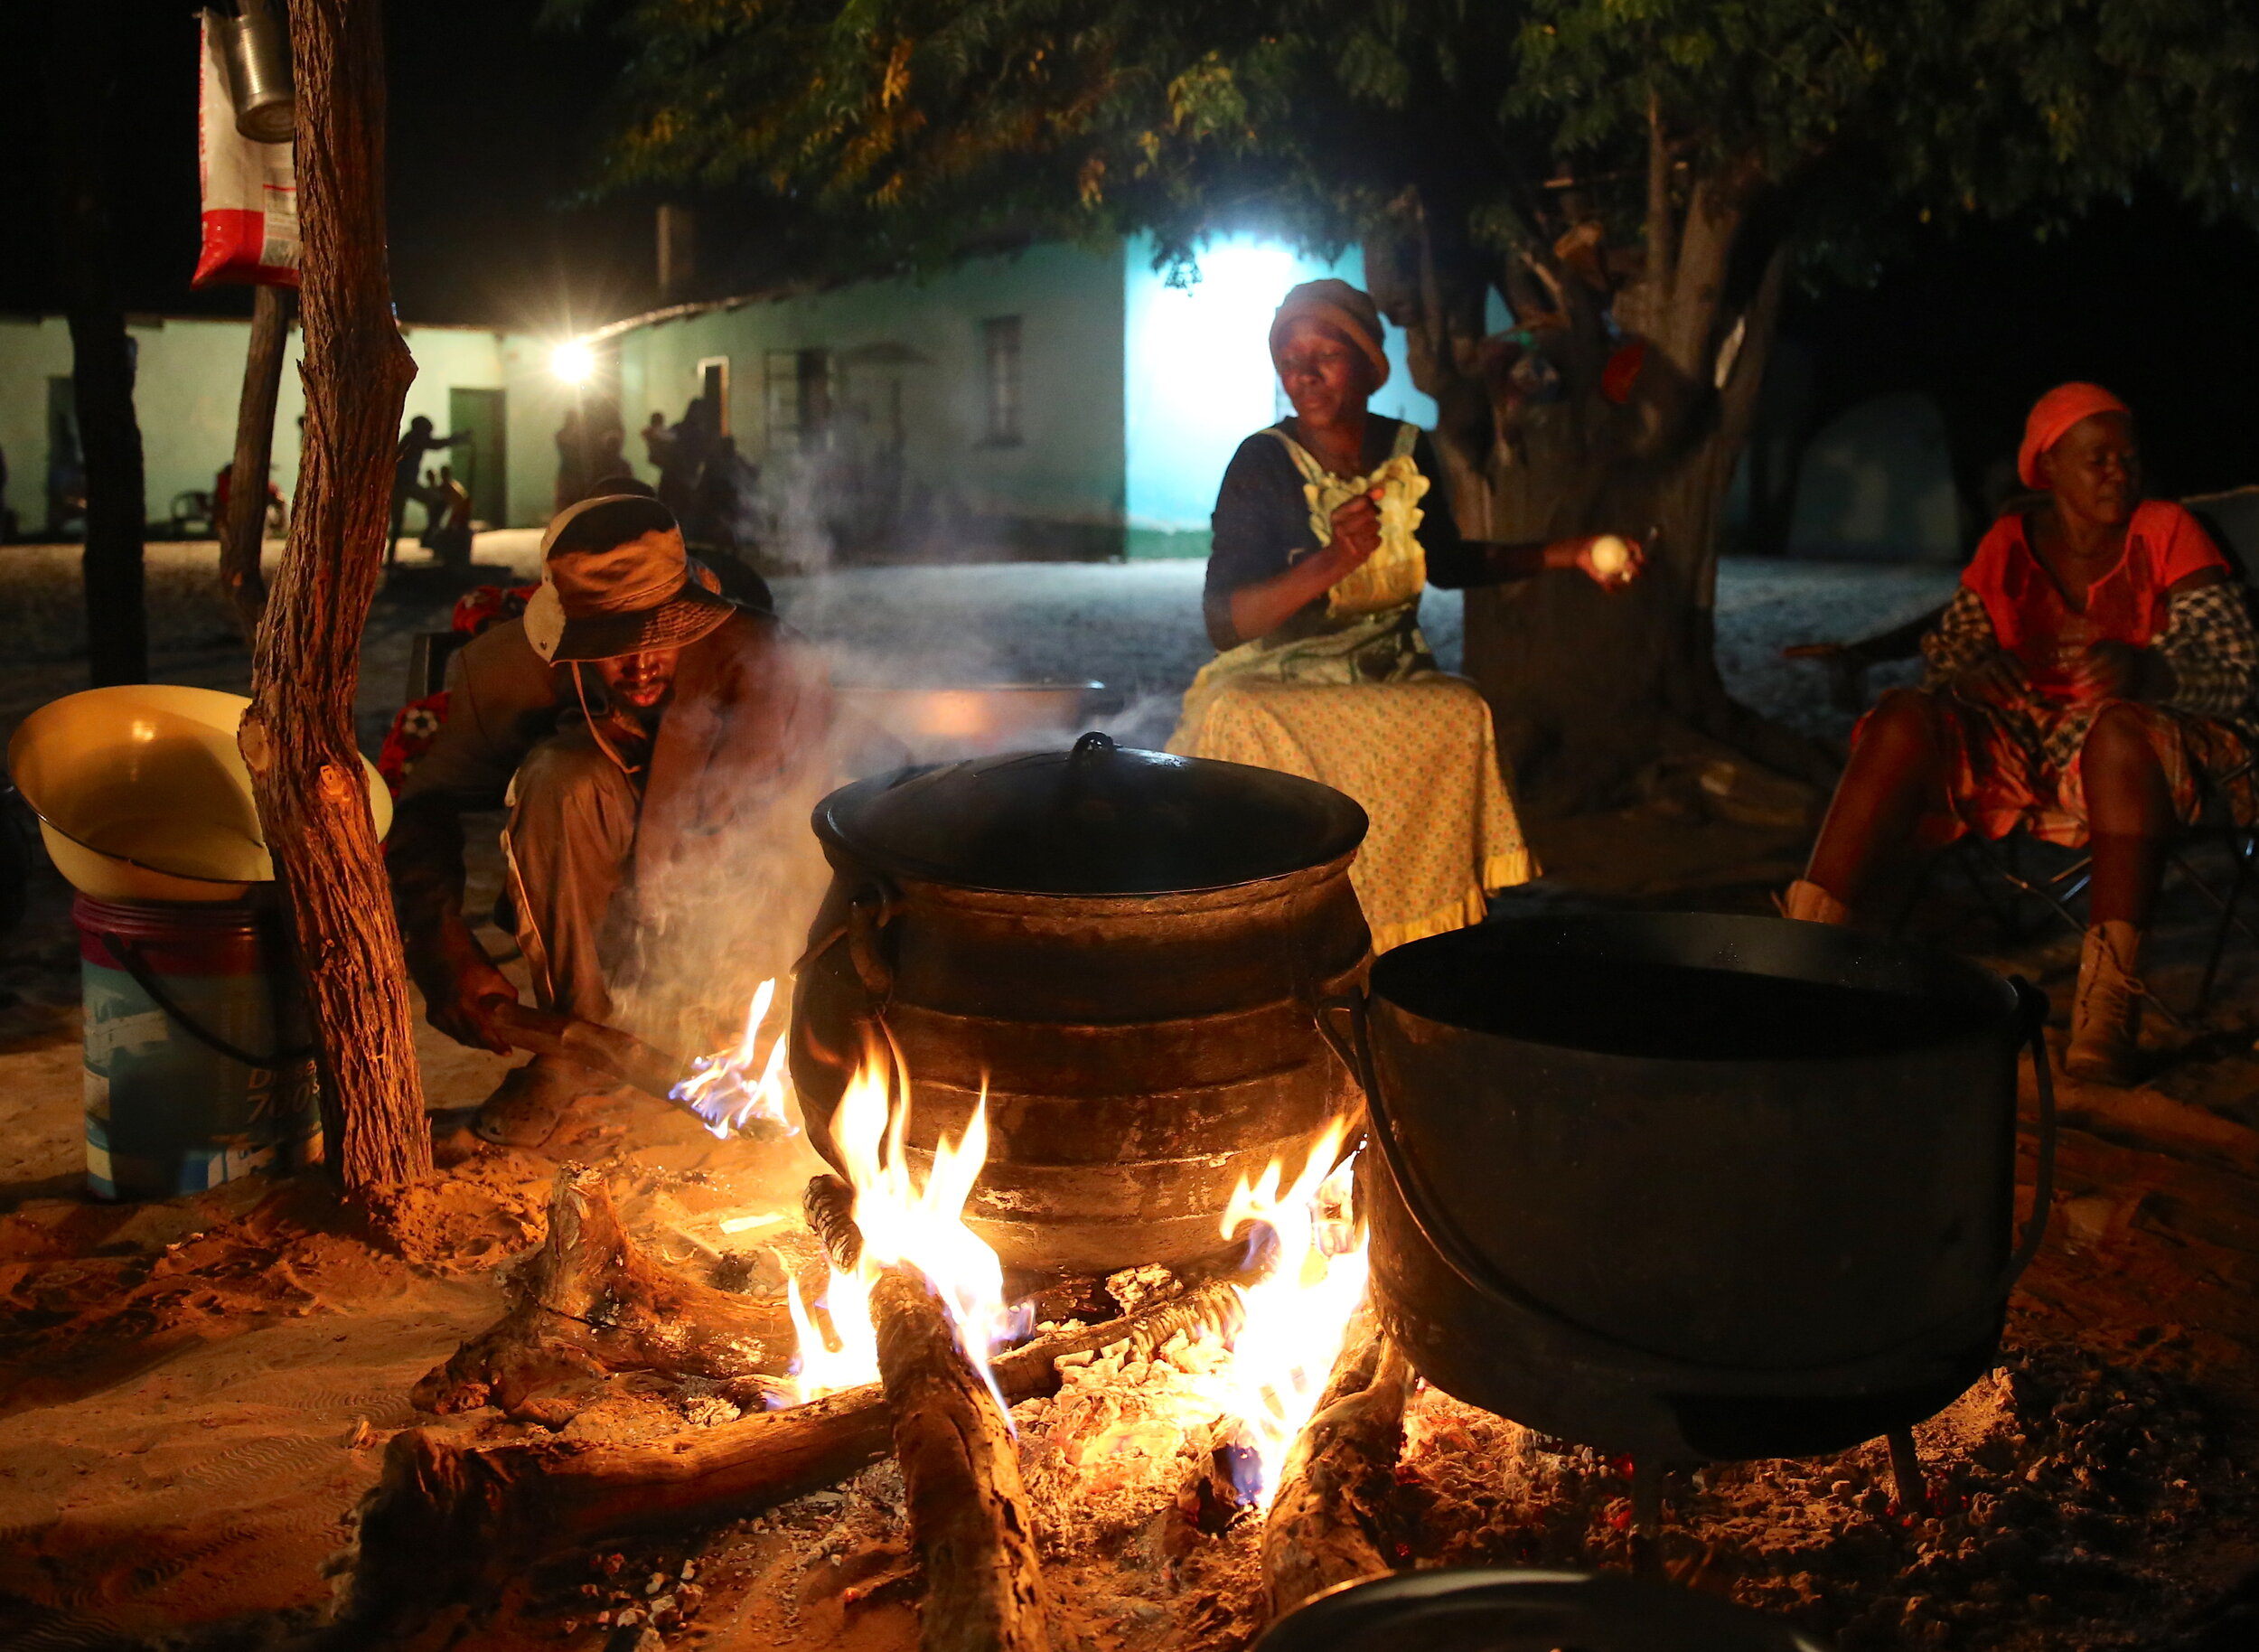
(2001, 862)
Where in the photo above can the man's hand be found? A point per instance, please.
(462, 992)
(1356, 535)
(2120, 670)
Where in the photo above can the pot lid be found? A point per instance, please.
(1098, 820)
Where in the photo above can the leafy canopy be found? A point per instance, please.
(911, 130)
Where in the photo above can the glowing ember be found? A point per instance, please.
(1297, 1316)
(724, 1089)
(903, 1221)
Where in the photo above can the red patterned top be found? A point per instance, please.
(2163, 546)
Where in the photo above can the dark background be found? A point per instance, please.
(494, 122)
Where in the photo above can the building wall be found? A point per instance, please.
(1062, 480)
(1199, 379)
(1877, 485)
(188, 380)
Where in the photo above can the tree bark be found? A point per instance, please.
(1326, 1525)
(590, 1303)
(968, 1512)
(82, 70)
(1585, 683)
(448, 1516)
(297, 738)
(243, 536)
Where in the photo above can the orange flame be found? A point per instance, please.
(904, 1221)
(1298, 1315)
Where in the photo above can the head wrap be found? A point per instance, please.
(1345, 309)
(618, 580)
(2051, 418)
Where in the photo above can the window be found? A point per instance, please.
(796, 400)
(1000, 344)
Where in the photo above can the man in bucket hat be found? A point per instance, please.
(631, 716)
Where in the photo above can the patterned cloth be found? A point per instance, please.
(1417, 754)
(2015, 753)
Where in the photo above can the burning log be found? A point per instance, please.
(446, 1517)
(590, 1302)
(968, 1512)
(1328, 1521)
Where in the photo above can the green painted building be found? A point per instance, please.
(1064, 401)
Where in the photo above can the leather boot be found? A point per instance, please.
(531, 1100)
(2104, 1048)
(1808, 902)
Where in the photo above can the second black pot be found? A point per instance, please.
(1693, 1186)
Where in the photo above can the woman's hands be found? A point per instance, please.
(1609, 561)
(1356, 523)
(1996, 675)
(2120, 670)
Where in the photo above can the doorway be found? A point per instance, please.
(482, 464)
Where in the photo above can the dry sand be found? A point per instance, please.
(194, 1393)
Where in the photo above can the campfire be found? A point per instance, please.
(910, 1340)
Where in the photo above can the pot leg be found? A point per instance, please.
(1906, 1468)
(1647, 1516)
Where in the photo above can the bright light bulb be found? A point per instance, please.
(573, 362)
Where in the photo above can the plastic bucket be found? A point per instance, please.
(199, 1067)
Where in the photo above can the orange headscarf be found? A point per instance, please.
(2051, 417)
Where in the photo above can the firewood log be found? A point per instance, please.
(590, 1302)
(968, 1512)
(446, 1517)
(1327, 1523)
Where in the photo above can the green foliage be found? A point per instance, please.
(911, 130)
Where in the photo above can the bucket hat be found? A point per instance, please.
(618, 580)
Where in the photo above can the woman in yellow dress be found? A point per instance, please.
(1327, 527)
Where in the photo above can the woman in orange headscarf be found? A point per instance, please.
(2092, 682)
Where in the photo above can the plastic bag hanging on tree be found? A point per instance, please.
(250, 192)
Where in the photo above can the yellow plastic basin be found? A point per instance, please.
(141, 795)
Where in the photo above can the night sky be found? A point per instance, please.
(494, 123)
(492, 126)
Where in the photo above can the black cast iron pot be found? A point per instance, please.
(1123, 950)
(1691, 1186)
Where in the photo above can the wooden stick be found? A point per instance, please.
(447, 1516)
(609, 1050)
(590, 1302)
(969, 1513)
(298, 738)
(243, 535)
(1327, 1523)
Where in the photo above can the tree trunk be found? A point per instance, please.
(243, 536)
(298, 736)
(83, 94)
(1584, 684)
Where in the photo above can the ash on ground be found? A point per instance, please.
(2062, 1488)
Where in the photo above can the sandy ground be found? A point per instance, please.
(195, 1395)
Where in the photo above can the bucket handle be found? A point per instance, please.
(129, 959)
(1354, 1048)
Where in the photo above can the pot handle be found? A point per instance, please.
(869, 911)
(1434, 1227)
(2032, 1007)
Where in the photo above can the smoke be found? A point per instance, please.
(893, 666)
